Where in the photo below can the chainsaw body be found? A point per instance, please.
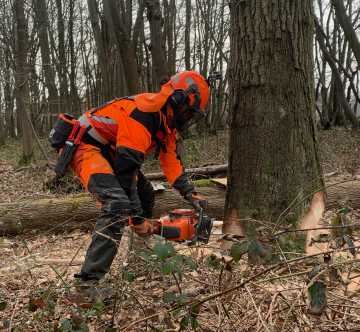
(185, 225)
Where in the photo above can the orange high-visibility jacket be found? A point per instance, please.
(136, 126)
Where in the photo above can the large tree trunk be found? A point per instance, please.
(102, 51)
(159, 63)
(62, 63)
(2, 117)
(346, 25)
(80, 211)
(2, 127)
(74, 95)
(273, 158)
(42, 24)
(187, 34)
(339, 90)
(170, 34)
(125, 44)
(9, 96)
(21, 80)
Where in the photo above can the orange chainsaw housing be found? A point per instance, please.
(178, 225)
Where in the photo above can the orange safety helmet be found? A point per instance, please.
(189, 99)
(187, 93)
(194, 86)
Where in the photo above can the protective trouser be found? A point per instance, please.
(97, 176)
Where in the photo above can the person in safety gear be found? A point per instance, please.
(118, 136)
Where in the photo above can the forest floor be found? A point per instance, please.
(176, 288)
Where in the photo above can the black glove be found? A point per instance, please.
(197, 201)
(141, 226)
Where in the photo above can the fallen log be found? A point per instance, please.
(206, 171)
(201, 171)
(79, 211)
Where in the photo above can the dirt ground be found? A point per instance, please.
(36, 270)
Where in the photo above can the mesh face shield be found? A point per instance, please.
(186, 118)
(186, 107)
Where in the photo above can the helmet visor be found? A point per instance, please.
(187, 118)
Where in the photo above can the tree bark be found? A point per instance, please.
(2, 123)
(159, 63)
(74, 95)
(273, 158)
(187, 34)
(9, 98)
(42, 25)
(347, 27)
(62, 63)
(80, 211)
(339, 90)
(124, 43)
(21, 80)
(171, 36)
(101, 50)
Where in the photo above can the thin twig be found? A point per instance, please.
(13, 314)
(232, 289)
(257, 309)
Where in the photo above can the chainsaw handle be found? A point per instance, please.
(196, 201)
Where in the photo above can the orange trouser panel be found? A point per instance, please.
(87, 161)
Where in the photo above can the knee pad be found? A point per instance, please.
(106, 188)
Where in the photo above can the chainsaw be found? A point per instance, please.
(182, 225)
(185, 225)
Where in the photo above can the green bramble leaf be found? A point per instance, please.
(169, 297)
(66, 325)
(190, 263)
(128, 276)
(189, 321)
(164, 250)
(238, 250)
(168, 268)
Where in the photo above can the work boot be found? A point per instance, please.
(93, 290)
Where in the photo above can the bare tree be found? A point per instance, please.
(187, 34)
(347, 27)
(170, 33)
(103, 49)
(160, 67)
(42, 25)
(21, 79)
(62, 62)
(2, 120)
(74, 96)
(336, 75)
(120, 24)
(82, 54)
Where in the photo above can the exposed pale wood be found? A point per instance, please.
(312, 220)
